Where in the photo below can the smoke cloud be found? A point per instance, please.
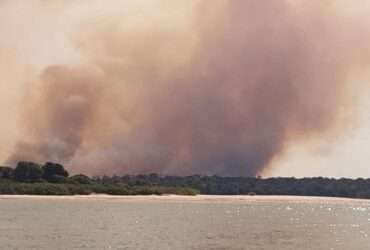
(203, 87)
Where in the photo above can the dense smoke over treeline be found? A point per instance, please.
(207, 87)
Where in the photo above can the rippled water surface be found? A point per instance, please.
(184, 223)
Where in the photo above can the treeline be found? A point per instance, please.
(216, 185)
(52, 179)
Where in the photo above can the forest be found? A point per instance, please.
(53, 179)
(29, 178)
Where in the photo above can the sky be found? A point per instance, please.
(278, 89)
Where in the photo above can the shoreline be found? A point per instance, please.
(181, 198)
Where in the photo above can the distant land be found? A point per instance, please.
(29, 178)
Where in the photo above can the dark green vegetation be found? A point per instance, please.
(53, 179)
(215, 185)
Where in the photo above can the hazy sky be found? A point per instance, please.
(123, 71)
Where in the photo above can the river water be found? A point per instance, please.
(195, 223)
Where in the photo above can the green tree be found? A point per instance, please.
(80, 179)
(28, 172)
(54, 172)
(6, 172)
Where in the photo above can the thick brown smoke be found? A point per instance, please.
(220, 89)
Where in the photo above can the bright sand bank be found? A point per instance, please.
(197, 198)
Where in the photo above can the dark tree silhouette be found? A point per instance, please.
(28, 172)
(54, 172)
(6, 172)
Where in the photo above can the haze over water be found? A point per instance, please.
(198, 223)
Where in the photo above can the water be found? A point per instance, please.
(233, 223)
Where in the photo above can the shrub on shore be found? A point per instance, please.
(12, 187)
(80, 179)
(53, 179)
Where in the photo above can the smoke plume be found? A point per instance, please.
(205, 87)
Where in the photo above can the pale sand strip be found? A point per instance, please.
(197, 198)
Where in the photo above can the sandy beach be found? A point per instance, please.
(197, 198)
